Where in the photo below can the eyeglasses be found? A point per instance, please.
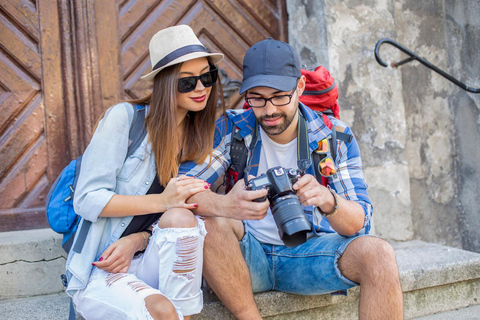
(326, 166)
(189, 84)
(277, 101)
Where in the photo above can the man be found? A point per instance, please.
(249, 256)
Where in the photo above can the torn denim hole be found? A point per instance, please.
(114, 277)
(138, 285)
(187, 255)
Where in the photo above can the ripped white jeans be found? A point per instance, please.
(171, 266)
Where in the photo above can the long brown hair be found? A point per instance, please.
(162, 124)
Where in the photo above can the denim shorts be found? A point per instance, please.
(307, 269)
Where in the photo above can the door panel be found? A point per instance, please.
(23, 144)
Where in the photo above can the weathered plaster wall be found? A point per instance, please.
(370, 98)
(415, 129)
(462, 20)
(431, 139)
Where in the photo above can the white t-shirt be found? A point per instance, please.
(272, 154)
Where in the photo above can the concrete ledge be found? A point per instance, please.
(434, 279)
(51, 307)
(31, 263)
(427, 264)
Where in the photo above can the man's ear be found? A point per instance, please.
(301, 85)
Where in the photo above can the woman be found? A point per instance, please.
(124, 197)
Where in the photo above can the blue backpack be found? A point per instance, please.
(59, 202)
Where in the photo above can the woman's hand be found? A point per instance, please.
(178, 190)
(119, 255)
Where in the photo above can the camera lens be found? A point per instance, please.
(290, 219)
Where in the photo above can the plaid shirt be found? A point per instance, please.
(348, 182)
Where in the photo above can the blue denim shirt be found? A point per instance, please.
(106, 172)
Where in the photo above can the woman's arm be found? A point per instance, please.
(119, 255)
(104, 159)
(174, 196)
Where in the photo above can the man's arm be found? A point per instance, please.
(354, 207)
(350, 216)
(237, 204)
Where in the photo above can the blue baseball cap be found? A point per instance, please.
(270, 63)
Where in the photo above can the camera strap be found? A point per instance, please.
(253, 143)
(303, 151)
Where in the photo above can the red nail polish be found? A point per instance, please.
(101, 259)
(206, 187)
(93, 264)
(195, 205)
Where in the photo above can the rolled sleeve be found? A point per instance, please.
(102, 161)
(350, 182)
(215, 165)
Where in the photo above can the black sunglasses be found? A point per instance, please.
(188, 84)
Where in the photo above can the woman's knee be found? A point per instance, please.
(178, 218)
(160, 307)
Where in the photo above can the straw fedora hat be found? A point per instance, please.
(176, 45)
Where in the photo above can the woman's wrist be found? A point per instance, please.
(145, 237)
(156, 203)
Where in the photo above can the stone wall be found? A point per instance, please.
(416, 130)
(462, 20)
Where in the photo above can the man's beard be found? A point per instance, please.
(282, 126)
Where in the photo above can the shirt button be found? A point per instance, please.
(146, 183)
(123, 224)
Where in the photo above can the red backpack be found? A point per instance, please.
(321, 95)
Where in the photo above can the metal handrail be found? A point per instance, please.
(413, 56)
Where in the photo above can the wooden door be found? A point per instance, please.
(62, 63)
(30, 102)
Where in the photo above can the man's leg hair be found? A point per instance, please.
(225, 269)
(371, 262)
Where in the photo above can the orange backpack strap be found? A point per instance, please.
(337, 134)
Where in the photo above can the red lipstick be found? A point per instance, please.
(199, 99)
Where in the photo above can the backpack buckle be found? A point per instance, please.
(70, 196)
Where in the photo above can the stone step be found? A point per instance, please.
(435, 279)
(468, 313)
(31, 263)
(47, 307)
(55, 307)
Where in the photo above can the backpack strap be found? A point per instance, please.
(135, 137)
(238, 156)
(238, 152)
(71, 313)
(337, 134)
(137, 130)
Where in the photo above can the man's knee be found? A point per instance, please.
(160, 307)
(222, 227)
(368, 257)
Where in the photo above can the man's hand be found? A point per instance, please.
(240, 205)
(310, 192)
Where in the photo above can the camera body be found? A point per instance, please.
(286, 208)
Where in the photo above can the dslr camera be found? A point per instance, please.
(286, 208)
